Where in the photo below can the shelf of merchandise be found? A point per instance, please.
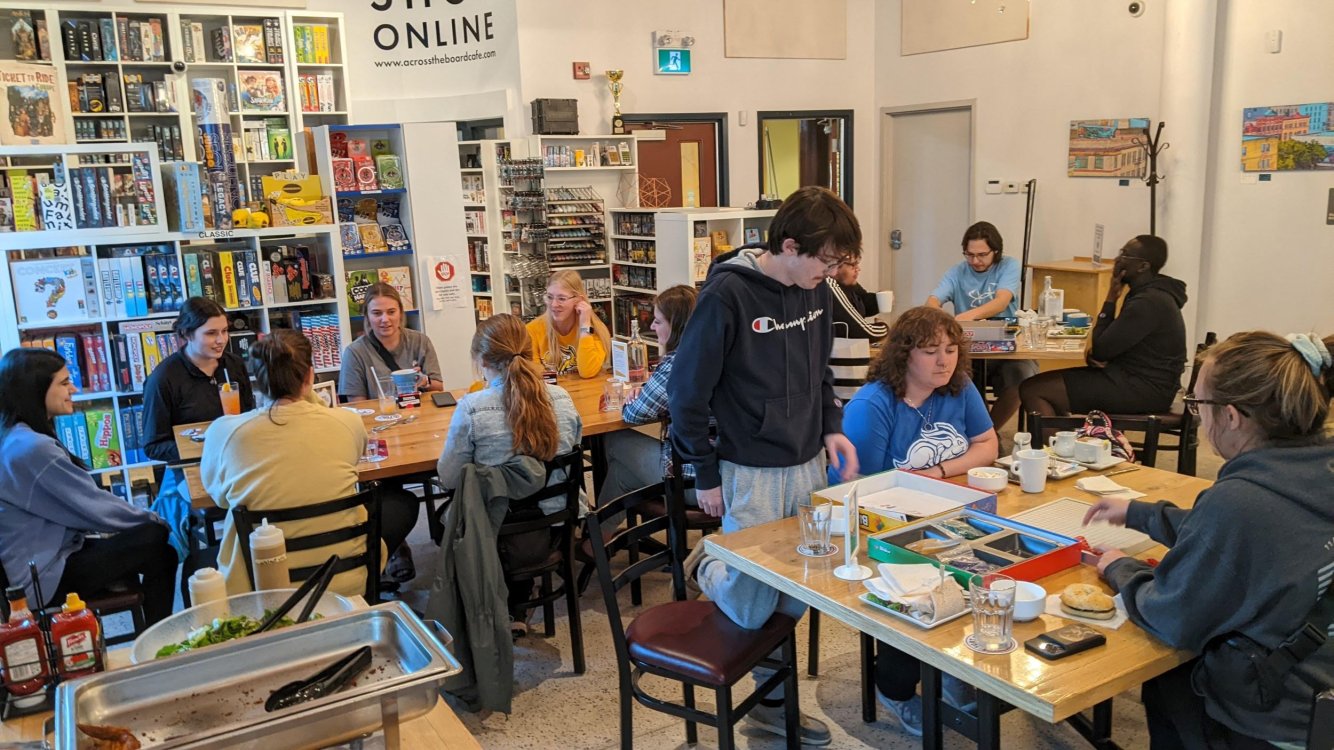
(479, 176)
(101, 322)
(362, 264)
(125, 126)
(664, 240)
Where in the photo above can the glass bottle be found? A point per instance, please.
(1051, 307)
(636, 355)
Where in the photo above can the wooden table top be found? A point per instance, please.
(415, 447)
(1055, 351)
(1050, 690)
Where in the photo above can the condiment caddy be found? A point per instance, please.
(39, 650)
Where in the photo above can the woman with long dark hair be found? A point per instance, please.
(184, 388)
(51, 510)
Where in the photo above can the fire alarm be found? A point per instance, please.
(582, 71)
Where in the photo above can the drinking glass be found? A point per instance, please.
(992, 597)
(231, 400)
(1031, 333)
(387, 392)
(815, 515)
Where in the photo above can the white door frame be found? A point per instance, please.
(886, 121)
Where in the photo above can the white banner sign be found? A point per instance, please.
(427, 49)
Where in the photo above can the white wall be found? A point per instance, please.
(1082, 60)
(619, 34)
(1268, 256)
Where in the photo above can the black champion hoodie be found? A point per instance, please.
(755, 355)
(1148, 339)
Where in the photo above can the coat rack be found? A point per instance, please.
(1153, 145)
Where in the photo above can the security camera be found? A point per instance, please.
(1135, 9)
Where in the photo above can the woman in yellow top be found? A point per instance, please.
(569, 337)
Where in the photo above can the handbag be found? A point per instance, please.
(1098, 425)
(850, 359)
(1238, 671)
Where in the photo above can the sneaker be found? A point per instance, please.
(771, 719)
(400, 567)
(909, 712)
(958, 693)
(518, 629)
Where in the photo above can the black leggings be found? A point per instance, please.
(399, 509)
(1177, 719)
(141, 551)
(896, 673)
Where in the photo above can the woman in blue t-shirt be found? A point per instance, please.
(919, 411)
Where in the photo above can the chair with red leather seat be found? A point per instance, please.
(692, 642)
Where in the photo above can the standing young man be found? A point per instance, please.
(986, 285)
(755, 355)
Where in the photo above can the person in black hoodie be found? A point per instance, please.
(1137, 357)
(1248, 563)
(755, 355)
(855, 307)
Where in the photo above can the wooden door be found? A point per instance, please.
(687, 160)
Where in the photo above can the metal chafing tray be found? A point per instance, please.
(214, 697)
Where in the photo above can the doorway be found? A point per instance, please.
(927, 162)
(810, 147)
(692, 158)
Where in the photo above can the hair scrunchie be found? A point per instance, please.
(1313, 350)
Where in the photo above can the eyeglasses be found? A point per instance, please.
(1193, 404)
(977, 256)
(553, 298)
(842, 260)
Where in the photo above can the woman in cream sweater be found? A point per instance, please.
(293, 452)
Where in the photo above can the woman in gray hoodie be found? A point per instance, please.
(1247, 565)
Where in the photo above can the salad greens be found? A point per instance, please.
(220, 631)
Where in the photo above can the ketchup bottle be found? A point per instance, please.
(75, 634)
(23, 649)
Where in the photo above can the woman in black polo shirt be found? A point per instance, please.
(183, 388)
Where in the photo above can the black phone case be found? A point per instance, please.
(1065, 641)
(443, 399)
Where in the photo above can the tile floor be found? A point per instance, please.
(555, 708)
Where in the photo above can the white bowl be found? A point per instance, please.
(838, 520)
(176, 628)
(988, 478)
(1030, 600)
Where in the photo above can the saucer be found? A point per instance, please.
(805, 551)
(971, 642)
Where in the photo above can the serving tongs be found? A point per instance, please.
(327, 681)
(315, 586)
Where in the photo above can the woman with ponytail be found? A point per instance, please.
(516, 414)
(293, 451)
(1247, 565)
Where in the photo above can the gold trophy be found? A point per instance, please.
(614, 79)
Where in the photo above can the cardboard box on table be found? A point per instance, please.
(896, 498)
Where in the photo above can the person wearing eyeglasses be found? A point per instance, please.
(1137, 356)
(986, 285)
(1246, 577)
(853, 305)
(569, 337)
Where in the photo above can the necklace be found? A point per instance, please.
(926, 418)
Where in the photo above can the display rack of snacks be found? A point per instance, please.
(105, 297)
(365, 167)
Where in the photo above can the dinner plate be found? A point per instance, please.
(866, 598)
(1100, 465)
(1061, 333)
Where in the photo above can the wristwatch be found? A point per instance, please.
(586, 329)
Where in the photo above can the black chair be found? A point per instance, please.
(245, 521)
(691, 642)
(126, 596)
(1177, 422)
(561, 525)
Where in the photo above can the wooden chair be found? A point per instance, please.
(691, 642)
(246, 520)
(127, 596)
(561, 560)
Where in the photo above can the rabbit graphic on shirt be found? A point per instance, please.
(939, 442)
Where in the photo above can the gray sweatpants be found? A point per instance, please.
(754, 496)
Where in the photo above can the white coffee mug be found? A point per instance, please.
(1031, 468)
(1064, 445)
(885, 301)
(1093, 450)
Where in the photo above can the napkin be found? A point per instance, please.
(1054, 608)
(928, 595)
(1101, 485)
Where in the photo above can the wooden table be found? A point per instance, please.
(415, 447)
(1050, 690)
(1054, 352)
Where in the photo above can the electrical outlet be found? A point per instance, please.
(1011, 187)
(993, 187)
